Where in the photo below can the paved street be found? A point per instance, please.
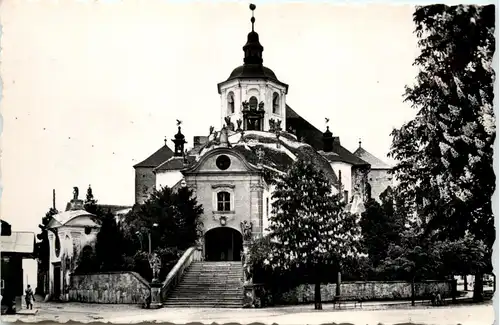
(305, 314)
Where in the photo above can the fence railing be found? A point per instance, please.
(192, 254)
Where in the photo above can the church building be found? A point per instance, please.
(230, 168)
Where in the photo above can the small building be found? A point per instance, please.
(15, 246)
(72, 236)
(380, 176)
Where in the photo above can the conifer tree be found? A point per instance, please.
(109, 248)
(42, 248)
(90, 204)
(445, 153)
(309, 228)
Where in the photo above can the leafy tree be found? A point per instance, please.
(381, 225)
(171, 219)
(445, 153)
(176, 214)
(189, 223)
(418, 258)
(309, 228)
(413, 259)
(42, 248)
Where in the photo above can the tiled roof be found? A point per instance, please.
(114, 208)
(276, 157)
(64, 217)
(174, 163)
(314, 137)
(18, 242)
(371, 159)
(161, 155)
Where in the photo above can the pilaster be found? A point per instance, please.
(256, 208)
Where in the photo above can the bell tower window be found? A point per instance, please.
(230, 103)
(253, 114)
(276, 103)
(253, 103)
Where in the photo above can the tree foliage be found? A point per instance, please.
(381, 225)
(176, 214)
(309, 228)
(445, 153)
(90, 204)
(42, 248)
(110, 245)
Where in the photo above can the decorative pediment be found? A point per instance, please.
(214, 162)
(215, 186)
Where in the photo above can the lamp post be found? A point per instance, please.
(139, 234)
(155, 263)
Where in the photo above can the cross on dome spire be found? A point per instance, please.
(252, 7)
(253, 49)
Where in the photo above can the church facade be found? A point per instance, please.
(230, 168)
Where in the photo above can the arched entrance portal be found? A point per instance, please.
(223, 244)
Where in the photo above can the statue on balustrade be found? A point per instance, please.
(246, 229)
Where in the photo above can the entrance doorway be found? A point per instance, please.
(223, 244)
(57, 280)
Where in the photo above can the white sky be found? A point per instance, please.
(92, 88)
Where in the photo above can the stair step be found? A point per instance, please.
(209, 284)
(213, 292)
(205, 304)
(206, 301)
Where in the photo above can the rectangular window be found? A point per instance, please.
(223, 201)
(346, 196)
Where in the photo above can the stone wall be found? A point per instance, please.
(145, 183)
(379, 180)
(109, 288)
(359, 179)
(368, 290)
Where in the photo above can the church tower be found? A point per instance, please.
(252, 96)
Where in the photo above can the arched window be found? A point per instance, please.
(253, 103)
(223, 201)
(276, 103)
(230, 103)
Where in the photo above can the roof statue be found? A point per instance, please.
(229, 124)
(75, 193)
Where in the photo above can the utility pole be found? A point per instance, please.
(54, 199)
(149, 243)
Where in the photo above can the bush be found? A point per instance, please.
(169, 257)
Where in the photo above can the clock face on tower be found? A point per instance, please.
(223, 162)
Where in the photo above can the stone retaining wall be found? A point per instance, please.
(368, 290)
(109, 288)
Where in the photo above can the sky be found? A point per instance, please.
(91, 88)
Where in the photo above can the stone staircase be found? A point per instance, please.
(209, 284)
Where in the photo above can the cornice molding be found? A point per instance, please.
(231, 186)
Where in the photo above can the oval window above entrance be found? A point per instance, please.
(223, 162)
